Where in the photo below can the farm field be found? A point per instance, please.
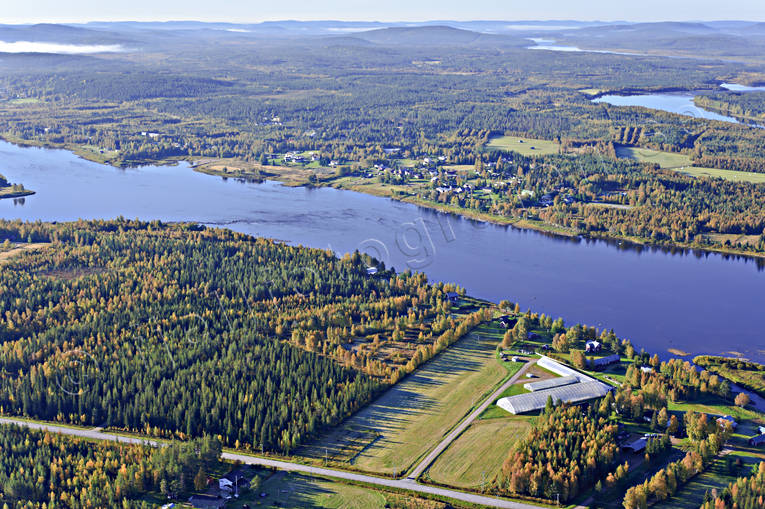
(524, 146)
(408, 420)
(478, 453)
(734, 176)
(663, 159)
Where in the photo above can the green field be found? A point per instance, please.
(646, 155)
(715, 477)
(291, 490)
(390, 434)
(24, 100)
(524, 146)
(735, 176)
(477, 455)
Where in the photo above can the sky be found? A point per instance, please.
(250, 11)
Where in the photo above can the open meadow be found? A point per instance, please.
(646, 155)
(408, 420)
(524, 146)
(293, 490)
(477, 455)
(733, 176)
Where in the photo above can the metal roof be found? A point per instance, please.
(573, 393)
(550, 383)
(560, 369)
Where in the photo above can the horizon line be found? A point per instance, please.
(330, 20)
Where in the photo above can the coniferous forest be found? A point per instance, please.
(182, 330)
(41, 469)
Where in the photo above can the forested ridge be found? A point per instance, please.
(182, 330)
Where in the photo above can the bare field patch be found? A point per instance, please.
(21, 248)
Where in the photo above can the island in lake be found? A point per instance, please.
(8, 190)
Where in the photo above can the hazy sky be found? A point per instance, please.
(25, 11)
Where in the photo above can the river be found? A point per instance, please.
(699, 303)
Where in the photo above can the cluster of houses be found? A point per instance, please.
(295, 157)
(548, 199)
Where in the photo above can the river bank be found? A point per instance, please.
(327, 177)
(641, 292)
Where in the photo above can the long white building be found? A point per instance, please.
(571, 387)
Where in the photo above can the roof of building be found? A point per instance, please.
(608, 359)
(637, 445)
(550, 383)
(573, 393)
(578, 387)
(561, 369)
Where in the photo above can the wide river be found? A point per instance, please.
(699, 303)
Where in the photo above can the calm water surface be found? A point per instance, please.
(681, 103)
(697, 303)
(677, 102)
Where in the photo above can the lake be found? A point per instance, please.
(677, 102)
(680, 103)
(699, 303)
(735, 87)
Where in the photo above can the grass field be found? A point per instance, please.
(477, 455)
(25, 100)
(715, 477)
(408, 420)
(524, 146)
(735, 176)
(291, 490)
(646, 155)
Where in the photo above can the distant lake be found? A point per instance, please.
(696, 302)
(735, 87)
(549, 45)
(680, 103)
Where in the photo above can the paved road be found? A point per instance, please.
(405, 484)
(430, 458)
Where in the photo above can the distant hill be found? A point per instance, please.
(62, 34)
(439, 35)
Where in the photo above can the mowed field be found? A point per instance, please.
(524, 146)
(735, 176)
(402, 425)
(477, 455)
(293, 490)
(646, 155)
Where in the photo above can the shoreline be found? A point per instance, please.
(14, 194)
(299, 177)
